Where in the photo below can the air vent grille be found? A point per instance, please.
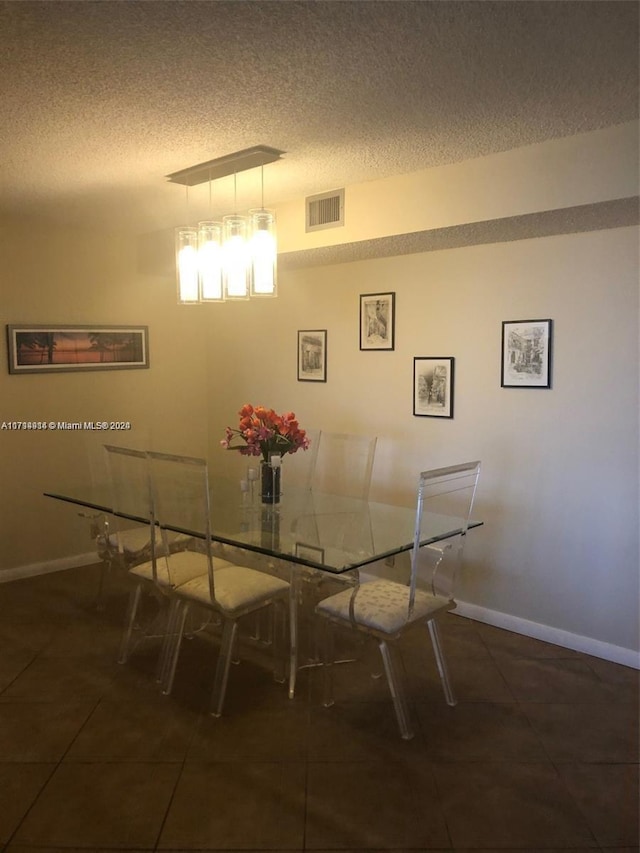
(325, 210)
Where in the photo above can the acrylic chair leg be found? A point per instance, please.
(293, 638)
(176, 632)
(222, 669)
(442, 665)
(105, 569)
(295, 604)
(307, 600)
(327, 663)
(255, 629)
(173, 609)
(262, 628)
(132, 609)
(399, 702)
(278, 618)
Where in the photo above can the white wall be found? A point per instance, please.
(559, 488)
(51, 275)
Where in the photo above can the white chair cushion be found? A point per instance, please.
(183, 567)
(236, 587)
(383, 606)
(138, 538)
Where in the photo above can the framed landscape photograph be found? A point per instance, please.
(526, 354)
(312, 355)
(377, 321)
(57, 349)
(433, 387)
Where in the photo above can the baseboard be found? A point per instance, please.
(607, 651)
(47, 567)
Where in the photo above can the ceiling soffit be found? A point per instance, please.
(618, 213)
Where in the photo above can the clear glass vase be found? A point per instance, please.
(270, 480)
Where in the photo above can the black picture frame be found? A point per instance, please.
(49, 348)
(377, 321)
(526, 354)
(312, 355)
(433, 386)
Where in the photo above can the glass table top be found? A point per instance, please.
(322, 531)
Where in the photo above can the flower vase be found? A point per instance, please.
(270, 483)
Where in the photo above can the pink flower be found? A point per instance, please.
(264, 432)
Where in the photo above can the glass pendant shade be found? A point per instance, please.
(263, 250)
(232, 259)
(187, 265)
(210, 261)
(235, 254)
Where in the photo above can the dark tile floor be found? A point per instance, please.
(541, 753)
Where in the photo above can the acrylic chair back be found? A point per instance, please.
(130, 488)
(344, 464)
(298, 467)
(181, 503)
(446, 492)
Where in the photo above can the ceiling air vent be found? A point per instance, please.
(325, 210)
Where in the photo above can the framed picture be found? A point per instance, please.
(433, 387)
(377, 320)
(526, 354)
(57, 349)
(312, 355)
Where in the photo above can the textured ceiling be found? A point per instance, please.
(99, 101)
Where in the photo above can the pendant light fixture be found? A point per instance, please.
(210, 261)
(237, 257)
(263, 248)
(210, 258)
(236, 266)
(186, 239)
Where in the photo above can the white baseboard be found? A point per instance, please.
(597, 648)
(47, 567)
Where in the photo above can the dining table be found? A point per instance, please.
(309, 534)
(330, 533)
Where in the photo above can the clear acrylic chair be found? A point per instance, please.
(127, 543)
(297, 475)
(342, 466)
(181, 499)
(131, 497)
(298, 468)
(119, 544)
(384, 609)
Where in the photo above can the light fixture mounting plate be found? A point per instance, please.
(230, 164)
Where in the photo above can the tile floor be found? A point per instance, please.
(541, 753)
